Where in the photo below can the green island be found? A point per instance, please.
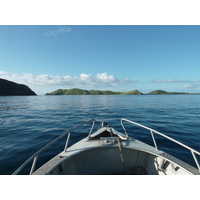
(76, 91)
(11, 88)
(156, 92)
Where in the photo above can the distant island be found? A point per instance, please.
(76, 91)
(8, 88)
(156, 92)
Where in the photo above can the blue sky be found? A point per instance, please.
(117, 58)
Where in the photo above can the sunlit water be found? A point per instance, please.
(27, 123)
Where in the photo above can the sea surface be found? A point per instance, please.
(27, 123)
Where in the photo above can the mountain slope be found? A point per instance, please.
(133, 92)
(12, 88)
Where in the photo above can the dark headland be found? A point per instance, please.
(9, 88)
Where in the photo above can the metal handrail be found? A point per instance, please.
(154, 141)
(34, 157)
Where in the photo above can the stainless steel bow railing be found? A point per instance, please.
(34, 157)
(161, 134)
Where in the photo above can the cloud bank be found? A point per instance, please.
(189, 84)
(83, 80)
(58, 31)
(194, 86)
(170, 81)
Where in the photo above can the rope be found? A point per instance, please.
(121, 156)
(137, 170)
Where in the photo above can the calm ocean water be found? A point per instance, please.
(27, 123)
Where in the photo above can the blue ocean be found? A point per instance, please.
(27, 123)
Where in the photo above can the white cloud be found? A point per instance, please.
(104, 77)
(4, 73)
(170, 81)
(189, 84)
(194, 86)
(124, 81)
(61, 30)
(87, 80)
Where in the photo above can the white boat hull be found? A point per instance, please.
(109, 152)
(114, 156)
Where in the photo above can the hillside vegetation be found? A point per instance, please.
(133, 92)
(76, 91)
(164, 92)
